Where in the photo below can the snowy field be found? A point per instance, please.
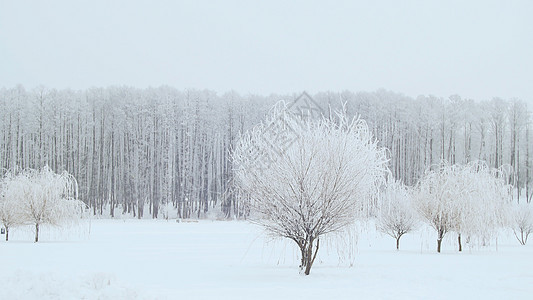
(157, 259)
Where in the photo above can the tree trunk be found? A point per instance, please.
(36, 232)
(398, 243)
(459, 241)
(308, 262)
(7, 233)
(439, 241)
(527, 162)
(302, 262)
(308, 255)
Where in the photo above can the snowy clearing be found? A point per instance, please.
(157, 259)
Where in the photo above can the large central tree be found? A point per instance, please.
(308, 178)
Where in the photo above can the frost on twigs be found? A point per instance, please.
(397, 215)
(41, 197)
(326, 176)
(521, 221)
(10, 204)
(469, 200)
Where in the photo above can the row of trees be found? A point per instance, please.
(128, 147)
(309, 177)
(159, 150)
(470, 200)
(32, 197)
(422, 132)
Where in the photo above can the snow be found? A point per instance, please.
(159, 259)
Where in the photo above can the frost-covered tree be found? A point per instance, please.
(397, 215)
(481, 201)
(306, 179)
(137, 151)
(433, 201)
(46, 197)
(10, 203)
(8, 214)
(521, 221)
(467, 199)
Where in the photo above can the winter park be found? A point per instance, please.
(266, 150)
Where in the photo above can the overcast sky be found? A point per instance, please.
(478, 49)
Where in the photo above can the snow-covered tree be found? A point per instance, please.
(433, 201)
(306, 179)
(467, 199)
(397, 216)
(135, 150)
(10, 203)
(481, 202)
(521, 221)
(45, 198)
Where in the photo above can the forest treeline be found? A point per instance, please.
(162, 150)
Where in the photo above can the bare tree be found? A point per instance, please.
(397, 216)
(521, 221)
(308, 179)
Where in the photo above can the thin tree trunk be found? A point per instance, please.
(459, 241)
(316, 251)
(302, 250)
(527, 162)
(439, 239)
(36, 232)
(521, 238)
(7, 233)
(398, 242)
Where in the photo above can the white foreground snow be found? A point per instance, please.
(157, 259)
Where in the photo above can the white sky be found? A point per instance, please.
(477, 49)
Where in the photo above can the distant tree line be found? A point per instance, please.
(167, 152)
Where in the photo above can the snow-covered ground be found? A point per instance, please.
(158, 259)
